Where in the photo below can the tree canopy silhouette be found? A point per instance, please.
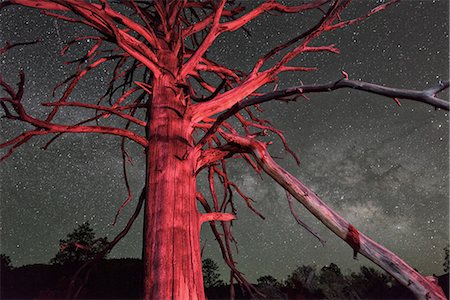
(211, 277)
(268, 280)
(176, 102)
(79, 246)
(5, 262)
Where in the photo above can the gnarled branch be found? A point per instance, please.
(360, 243)
(428, 96)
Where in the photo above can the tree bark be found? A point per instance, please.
(172, 260)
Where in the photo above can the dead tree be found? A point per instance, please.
(165, 43)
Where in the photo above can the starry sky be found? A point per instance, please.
(383, 167)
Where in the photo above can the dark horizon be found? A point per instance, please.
(49, 281)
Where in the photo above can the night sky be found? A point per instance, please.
(383, 167)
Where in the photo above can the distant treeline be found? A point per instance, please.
(122, 279)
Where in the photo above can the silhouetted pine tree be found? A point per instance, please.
(79, 246)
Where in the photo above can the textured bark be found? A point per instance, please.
(172, 252)
(172, 259)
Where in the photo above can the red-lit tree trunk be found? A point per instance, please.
(172, 260)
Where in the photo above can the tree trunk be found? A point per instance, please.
(172, 260)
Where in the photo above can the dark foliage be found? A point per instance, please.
(79, 246)
(444, 282)
(270, 286)
(303, 283)
(122, 279)
(5, 262)
(446, 264)
(268, 280)
(111, 279)
(211, 277)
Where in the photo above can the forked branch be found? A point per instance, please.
(13, 108)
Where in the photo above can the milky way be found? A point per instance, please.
(382, 166)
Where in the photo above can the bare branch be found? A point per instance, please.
(101, 18)
(211, 156)
(426, 96)
(227, 99)
(270, 6)
(19, 141)
(111, 110)
(300, 222)
(207, 42)
(47, 127)
(209, 217)
(226, 252)
(42, 4)
(9, 45)
(360, 243)
(201, 25)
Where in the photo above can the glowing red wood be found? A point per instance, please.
(172, 259)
